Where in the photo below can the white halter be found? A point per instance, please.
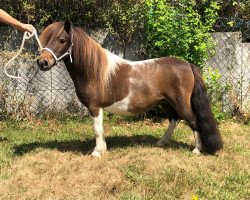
(62, 56)
(65, 54)
(27, 36)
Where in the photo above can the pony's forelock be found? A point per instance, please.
(50, 32)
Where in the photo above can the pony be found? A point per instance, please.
(105, 82)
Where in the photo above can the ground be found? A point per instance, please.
(50, 159)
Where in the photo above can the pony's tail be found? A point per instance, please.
(206, 124)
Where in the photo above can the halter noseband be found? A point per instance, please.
(65, 54)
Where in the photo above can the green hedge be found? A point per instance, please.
(81, 12)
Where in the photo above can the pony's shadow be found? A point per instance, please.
(86, 146)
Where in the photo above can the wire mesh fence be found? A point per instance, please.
(232, 58)
(38, 92)
(53, 91)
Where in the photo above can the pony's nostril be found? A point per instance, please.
(45, 63)
(39, 62)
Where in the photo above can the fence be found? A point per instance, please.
(40, 92)
(232, 59)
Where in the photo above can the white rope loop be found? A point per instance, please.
(26, 36)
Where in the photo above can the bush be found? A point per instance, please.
(124, 20)
(216, 90)
(81, 12)
(179, 30)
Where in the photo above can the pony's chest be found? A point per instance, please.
(120, 107)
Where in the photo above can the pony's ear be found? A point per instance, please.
(67, 25)
(47, 23)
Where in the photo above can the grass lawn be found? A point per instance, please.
(50, 159)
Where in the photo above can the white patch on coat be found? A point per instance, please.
(98, 128)
(142, 62)
(136, 82)
(113, 63)
(120, 107)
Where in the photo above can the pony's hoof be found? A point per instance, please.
(161, 143)
(196, 151)
(98, 152)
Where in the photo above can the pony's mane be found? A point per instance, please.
(89, 58)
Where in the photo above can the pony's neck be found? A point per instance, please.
(91, 62)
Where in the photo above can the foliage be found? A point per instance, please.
(124, 20)
(177, 30)
(81, 12)
(234, 9)
(216, 89)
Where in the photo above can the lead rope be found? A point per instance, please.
(26, 36)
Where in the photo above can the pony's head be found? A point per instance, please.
(57, 42)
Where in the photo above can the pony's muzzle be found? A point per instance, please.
(43, 64)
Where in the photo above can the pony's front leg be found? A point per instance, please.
(101, 146)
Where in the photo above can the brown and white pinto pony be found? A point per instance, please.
(104, 81)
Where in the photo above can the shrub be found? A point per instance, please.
(124, 20)
(179, 30)
(216, 90)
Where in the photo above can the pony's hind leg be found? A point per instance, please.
(186, 112)
(101, 146)
(168, 134)
(198, 143)
(174, 119)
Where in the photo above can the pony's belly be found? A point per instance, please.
(120, 107)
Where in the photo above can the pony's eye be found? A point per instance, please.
(62, 41)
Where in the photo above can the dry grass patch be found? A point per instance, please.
(52, 161)
(56, 175)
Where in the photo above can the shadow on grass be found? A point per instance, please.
(86, 146)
